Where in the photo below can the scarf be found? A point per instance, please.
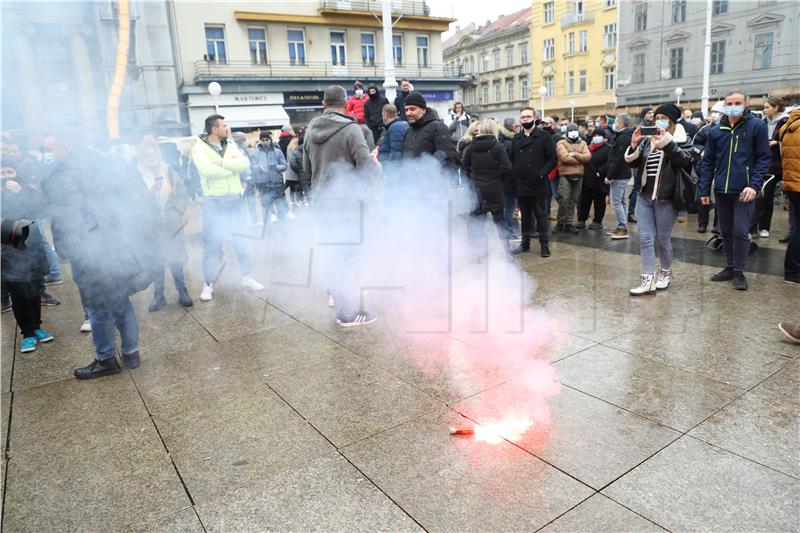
(593, 146)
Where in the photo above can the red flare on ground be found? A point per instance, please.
(462, 431)
(495, 432)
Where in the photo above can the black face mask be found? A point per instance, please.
(528, 125)
(373, 95)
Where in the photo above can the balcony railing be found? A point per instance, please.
(571, 19)
(208, 71)
(399, 7)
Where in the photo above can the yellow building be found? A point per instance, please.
(574, 56)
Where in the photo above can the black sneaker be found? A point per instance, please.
(132, 360)
(98, 369)
(702, 228)
(545, 250)
(361, 318)
(632, 219)
(739, 281)
(725, 274)
(49, 299)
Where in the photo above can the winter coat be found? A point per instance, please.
(283, 141)
(458, 125)
(355, 108)
(333, 145)
(790, 152)
(775, 166)
(169, 221)
(399, 103)
(219, 173)
(268, 165)
(617, 168)
(429, 135)
(295, 162)
(533, 158)
(391, 142)
(596, 170)
(486, 163)
(504, 137)
(677, 158)
(29, 264)
(736, 156)
(567, 164)
(373, 112)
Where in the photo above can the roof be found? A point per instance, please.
(453, 39)
(507, 22)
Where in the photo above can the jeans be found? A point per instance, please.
(177, 276)
(632, 197)
(791, 263)
(508, 212)
(532, 209)
(617, 192)
(655, 222)
(552, 192)
(26, 305)
(568, 193)
(120, 314)
(270, 194)
(734, 225)
(52, 257)
(250, 200)
(222, 216)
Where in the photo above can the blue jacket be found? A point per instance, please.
(735, 157)
(268, 165)
(391, 142)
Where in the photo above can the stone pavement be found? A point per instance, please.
(254, 412)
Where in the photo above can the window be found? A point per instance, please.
(338, 54)
(584, 41)
(676, 63)
(577, 8)
(549, 49)
(763, 51)
(397, 50)
(609, 3)
(678, 11)
(523, 53)
(485, 93)
(368, 49)
(510, 56)
(638, 68)
(548, 84)
(549, 12)
(719, 7)
(523, 88)
(496, 59)
(297, 47)
(570, 44)
(258, 45)
(571, 82)
(640, 17)
(422, 51)
(510, 90)
(717, 57)
(609, 36)
(609, 78)
(215, 44)
(582, 82)
(497, 91)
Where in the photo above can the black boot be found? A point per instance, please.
(132, 360)
(158, 301)
(98, 369)
(545, 250)
(524, 246)
(559, 227)
(183, 297)
(569, 228)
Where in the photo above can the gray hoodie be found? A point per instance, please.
(334, 138)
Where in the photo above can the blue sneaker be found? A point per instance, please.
(28, 344)
(43, 336)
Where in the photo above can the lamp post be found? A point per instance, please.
(706, 59)
(389, 81)
(572, 111)
(678, 93)
(542, 94)
(215, 89)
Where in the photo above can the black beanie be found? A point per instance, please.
(415, 98)
(670, 110)
(264, 135)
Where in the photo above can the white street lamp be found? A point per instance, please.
(572, 110)
(215, 89)
(678, 93)
(542, 94)
(389, 81)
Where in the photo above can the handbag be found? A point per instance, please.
(685, 196)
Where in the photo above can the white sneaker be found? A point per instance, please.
(290, 215)
(208, 292)
(664, 277)
(273, 217)
(331, 302)
(252, 284)
(86, 327)
(764, 234)
(647, 286)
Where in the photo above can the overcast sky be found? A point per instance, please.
(477, 12)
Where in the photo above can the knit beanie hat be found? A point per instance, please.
(264, 135)
(670, 110)
(358, 85)
(415, 98)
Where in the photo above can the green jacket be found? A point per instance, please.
(219, 176)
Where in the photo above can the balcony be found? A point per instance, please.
(571, 19)
(233, 70)
(410, 8)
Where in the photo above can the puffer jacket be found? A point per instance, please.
(486, 163)
(391, 142)
(567, 164)
(268, 165)
(355, 108)
(219, 173)
(677, 158)
(790, 152)
(31, 263)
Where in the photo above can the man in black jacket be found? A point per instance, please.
(373, 111)
(426, 134)
(533, 157)
(400, 99)
(619, 173)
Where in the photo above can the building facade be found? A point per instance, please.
(274, 60)
(496, 60)
(755, 47)
(574, 56)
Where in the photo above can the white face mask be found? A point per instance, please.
(572, 135)
(716, 116)
(359, 92)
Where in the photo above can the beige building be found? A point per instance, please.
(496, 61)
(273, 60)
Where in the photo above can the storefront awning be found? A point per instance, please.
(254, 116)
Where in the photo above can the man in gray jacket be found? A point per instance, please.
(339, 162)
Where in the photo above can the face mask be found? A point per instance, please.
(663, 124)
(373, 95)
(617, 128)
(563, 129)
(48, 159)
(716, 116)
(359, 92)
(597, 139)
(573, 135)
(528, 125)
(734, 110)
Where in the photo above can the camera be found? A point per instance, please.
(15, 232)
(648, 130)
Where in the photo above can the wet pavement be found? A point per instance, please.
(255, 412)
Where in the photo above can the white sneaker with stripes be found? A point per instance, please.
(361, 318)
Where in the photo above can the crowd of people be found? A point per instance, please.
(118, 212)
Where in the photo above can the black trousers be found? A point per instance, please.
(765, 205)
(734, 223)
(532, 207)
(591, 197)
(791, 263)
(26, 304)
